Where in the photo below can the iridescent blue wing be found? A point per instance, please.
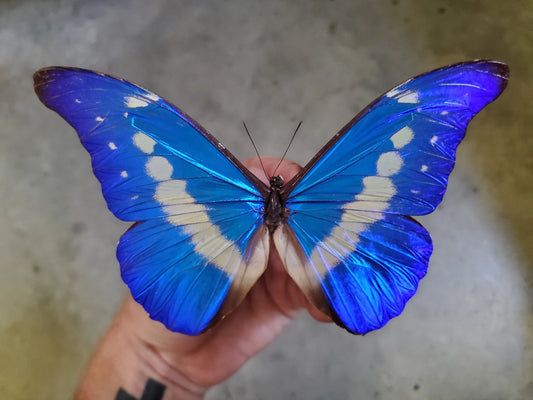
(201, 244)
(348, 243)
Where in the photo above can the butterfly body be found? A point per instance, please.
(342, 226)
(275, 211)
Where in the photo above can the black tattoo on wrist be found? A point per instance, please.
(152, 391)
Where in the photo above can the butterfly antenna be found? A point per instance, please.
(255, 148)
(287, 149)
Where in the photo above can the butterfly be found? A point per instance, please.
(203, 222)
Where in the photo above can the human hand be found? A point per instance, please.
(137, 348)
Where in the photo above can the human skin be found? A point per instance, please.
(136, 348)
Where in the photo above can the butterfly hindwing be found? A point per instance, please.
(189, 276)
(201, 244)
(361, 258)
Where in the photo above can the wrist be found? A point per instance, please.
(126, 358)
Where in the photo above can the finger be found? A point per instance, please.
(287, 169)
(317, 314)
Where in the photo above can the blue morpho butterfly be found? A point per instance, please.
(341, 225)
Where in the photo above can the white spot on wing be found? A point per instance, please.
(112, 146)
(124, 174)
(424, 168)
(444, 112)
(144, 142)
(172, 194)
(134, 102)
(356, 217)
(209, 242)
(402, 95)
(389, 163)
(77, 101)
(322, 260)
(367, 205)
(99, 119)
(433, 140)
(134, 197)
(377, 188)
(126, 115)
(394, 92)
(343, 239)
(377, 192)
(193, 218)
(409, 97)
(352, 236)
(159, 168)
(152, 97)
(402, 137)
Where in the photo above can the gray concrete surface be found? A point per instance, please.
(468, 334)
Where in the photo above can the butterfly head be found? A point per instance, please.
(276, 182)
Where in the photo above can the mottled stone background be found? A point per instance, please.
(468, 334)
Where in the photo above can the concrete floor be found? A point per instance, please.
(468, 334)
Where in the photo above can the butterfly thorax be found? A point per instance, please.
(275, 212)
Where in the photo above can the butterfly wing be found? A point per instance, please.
(201, 244)
(347, 242)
